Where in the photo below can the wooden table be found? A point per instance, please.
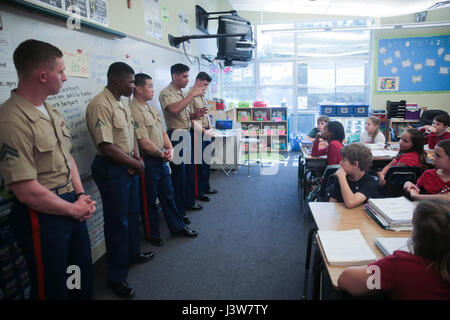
(334, 216)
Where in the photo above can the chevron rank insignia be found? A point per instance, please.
(100, 123)
(8, 153)
(136, 125)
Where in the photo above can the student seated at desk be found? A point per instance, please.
(423, 274)
(354, 185)
(433, 183)
(411, 153)
(321, 123)
(372, 133)
(437, 131)
(334, 133)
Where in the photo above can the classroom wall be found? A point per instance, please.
(131, 22)
(431, 100)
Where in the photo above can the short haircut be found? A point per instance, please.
(445, 144)
(325, 119)
(141, 78)
(32, 54)
(118, 70)
(443, 118)
(336, 131)
(178, 68)
(358, 152)
(203, 76)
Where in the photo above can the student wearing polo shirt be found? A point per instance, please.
(156, 148)
(115, 170)
(354, 185)
(411, 153)
(202, 128)
(49, 215)
(175, 105)
(333, 132)
(434, 183)
(438, 131)
(423, 274)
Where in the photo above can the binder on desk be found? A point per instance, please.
(383, 223)
(345, 248)
(397, 212)
(388, 245)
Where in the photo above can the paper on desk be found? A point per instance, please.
(345, 247)
(395, 210)
(376, 153)
(373, 146)
(388, 245)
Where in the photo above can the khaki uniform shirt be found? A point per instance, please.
(148, 123)
(168, 96)
(109, 121)
(32, 146)
(196, 104)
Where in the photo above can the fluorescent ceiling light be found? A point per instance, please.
(363, 28)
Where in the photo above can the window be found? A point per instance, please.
(305, 68)
(238, 83)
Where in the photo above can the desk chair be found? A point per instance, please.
(251, 140)
(396, 178)
(301, 183)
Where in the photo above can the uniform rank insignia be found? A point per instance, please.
(100, 123)
(136, 125)
(8, 153)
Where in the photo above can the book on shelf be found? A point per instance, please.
(388, 245)
(396, 211)
(345, 248)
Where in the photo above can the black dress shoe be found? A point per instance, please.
(122, 289)
(144, 257)
(187, 232)
(212, 191)
(156, 242)
(186, 220)
(203, 198)
(195, 207)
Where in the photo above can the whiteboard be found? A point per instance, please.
(414, 64)
(77, 92)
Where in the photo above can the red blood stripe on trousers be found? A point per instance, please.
(144, 203)
(36, 234)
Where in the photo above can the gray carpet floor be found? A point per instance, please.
(251, 244)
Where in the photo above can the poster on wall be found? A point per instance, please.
(415, 64)
(152, 19)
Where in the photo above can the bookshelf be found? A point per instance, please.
(398, 124)
(269, 124)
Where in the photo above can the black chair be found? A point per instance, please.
(396, 178)
(428, 116)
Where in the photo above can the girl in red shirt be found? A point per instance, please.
(334, 133)
(434, 183)
(422, 274)
(411, 153)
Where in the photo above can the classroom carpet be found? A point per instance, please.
(251, 244)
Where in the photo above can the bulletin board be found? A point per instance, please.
(414, 64)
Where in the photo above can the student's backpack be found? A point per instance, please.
(295, 142)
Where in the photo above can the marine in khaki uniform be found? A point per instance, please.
(156, 148)
(115, 170)
(203, 128)
(175, 106)
(49, 215)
